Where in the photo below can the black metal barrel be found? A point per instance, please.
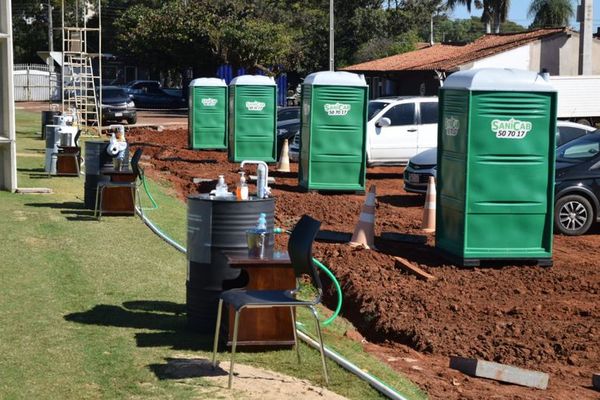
(95, 159)
(214, 226)
(47, 119)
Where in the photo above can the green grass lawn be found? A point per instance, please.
(92, 310)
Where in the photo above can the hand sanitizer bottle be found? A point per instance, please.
(241, 192)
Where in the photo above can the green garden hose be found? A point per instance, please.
(328, 272)
(154, 204)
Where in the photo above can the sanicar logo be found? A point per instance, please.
(337, 109)
(511, 129)
(209, 102)
(451, 126)
(255, 105)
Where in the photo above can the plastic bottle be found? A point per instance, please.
(261, 226)
(241, 191)
(221, 188)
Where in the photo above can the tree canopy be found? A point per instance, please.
(259, 34)
(551, 13)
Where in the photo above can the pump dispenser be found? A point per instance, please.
(221, 188)
(261, 226)
(241, 192)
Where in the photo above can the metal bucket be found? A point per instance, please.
(66, 139)
(47, 119)
(258, 243)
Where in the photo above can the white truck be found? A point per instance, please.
(578, 98)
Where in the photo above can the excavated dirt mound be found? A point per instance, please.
(545, 319)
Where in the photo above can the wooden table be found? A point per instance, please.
(118, 200)
(67, 160)
(263, 326)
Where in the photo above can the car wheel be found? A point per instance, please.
(132, 120)
(573, 215)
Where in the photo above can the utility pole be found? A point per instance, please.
(584, 16)
(50, 27)
(431, 30)
(331, 38)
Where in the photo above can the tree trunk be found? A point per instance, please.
(497, 22)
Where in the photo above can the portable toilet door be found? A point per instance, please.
(495, 168)
(207, 119)
(333, 132)
(252, 119)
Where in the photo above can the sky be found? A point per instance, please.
(518, 13)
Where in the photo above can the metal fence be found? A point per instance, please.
(36, 82)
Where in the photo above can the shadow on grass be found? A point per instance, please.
(74, 211)
(181, 368)
(164, 317)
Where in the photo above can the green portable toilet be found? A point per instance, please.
(207, 119)
(495, 174)
(252, 119)
(333, 132)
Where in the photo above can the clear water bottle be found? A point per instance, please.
(258, 238)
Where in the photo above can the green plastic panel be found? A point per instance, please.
(252, 123)
(333, 155)
(208, 117)
(496, 174)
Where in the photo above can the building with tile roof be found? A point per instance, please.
(419, 72)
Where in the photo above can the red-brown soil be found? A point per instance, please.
(545, 319)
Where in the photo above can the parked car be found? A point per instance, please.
(149, 94)
(286, 129)
(423, 165)
(577, 188)
(400, 127)
(294, 152)
(117, 106)
(287, 113)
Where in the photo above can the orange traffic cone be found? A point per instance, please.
(429, 209)
(284, 159)
(365, 228)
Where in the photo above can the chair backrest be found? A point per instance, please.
(300, 248)
(76, 140)
(135, 162)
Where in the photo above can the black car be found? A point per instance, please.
(149, 94)
(117, 106)
(577, 188)
(286, 130)
(287, 113)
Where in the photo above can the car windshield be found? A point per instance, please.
(581, 149)
(375, 107)
(113, 93)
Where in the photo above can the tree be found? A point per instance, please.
(550, 13)
(494, 12)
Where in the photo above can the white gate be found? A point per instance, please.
(35, 82)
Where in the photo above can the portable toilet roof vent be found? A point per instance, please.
(498, 79)
(335, 78)
(253, 80)
(208, 82)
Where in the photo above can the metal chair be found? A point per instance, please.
(133, 185)
(300, 251)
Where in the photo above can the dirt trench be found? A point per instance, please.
(546, 319)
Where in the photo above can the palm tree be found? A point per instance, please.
(549, 13)
(494, 11)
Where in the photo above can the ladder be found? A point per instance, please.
(79, 80)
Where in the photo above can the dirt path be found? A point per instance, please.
(546, 319)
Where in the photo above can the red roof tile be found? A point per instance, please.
(445, 57)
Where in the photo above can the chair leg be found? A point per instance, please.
(233, 346)
(217, 330)
(295, 334)
(101, 199)
(322, 347)
(96, 204)
(139, 200)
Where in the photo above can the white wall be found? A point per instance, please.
(518, 58)
(8, 156)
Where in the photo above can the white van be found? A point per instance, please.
(397, 129)
(400, 127)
